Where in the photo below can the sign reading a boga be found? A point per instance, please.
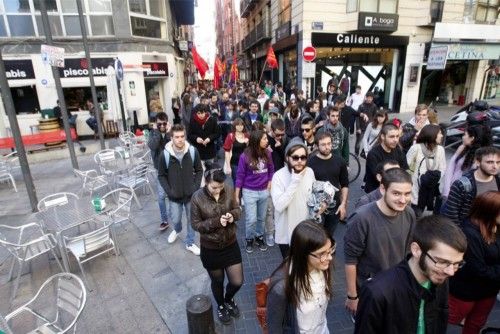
(377, 22)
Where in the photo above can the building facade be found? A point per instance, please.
(381, 45)
(143, 35)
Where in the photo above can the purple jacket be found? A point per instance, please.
(251, 179)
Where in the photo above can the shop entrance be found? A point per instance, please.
(25, 99)
(448, 85)
(154, 96)
(372, 69)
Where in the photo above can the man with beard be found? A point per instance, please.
(157, 140)
(252, 115)
(331, 168)
(365, 114)
(473, 183)
(290, 189)
(307, 129)
(412, 297)
(387, 149)
(340, 136)
(378, 234)
(331, 94)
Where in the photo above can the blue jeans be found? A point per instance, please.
(255, 212)
(163, 203)
(176, 213)
(92, 123)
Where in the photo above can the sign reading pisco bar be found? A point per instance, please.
(309, 53)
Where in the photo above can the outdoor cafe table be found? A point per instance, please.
(58, 219)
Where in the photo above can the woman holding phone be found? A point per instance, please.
(214, 213)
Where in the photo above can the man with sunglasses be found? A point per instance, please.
(158, 138)
(412, 297)
(290, 189)
(331, 168)
(307, 130)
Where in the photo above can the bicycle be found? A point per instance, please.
(354, 167)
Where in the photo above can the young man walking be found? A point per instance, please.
(329, 167)
(412, 297)
(387, 149)
(290, 189)
(378, 234)
(158, 138)
(180, 172)
(472, 184)
(339, 134)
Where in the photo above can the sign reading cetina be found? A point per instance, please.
(473, 51)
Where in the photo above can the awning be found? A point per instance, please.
(183, 11)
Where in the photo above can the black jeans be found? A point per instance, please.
(284, 248)
(331, 221)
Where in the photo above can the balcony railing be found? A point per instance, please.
(283, 31)
(246, 7)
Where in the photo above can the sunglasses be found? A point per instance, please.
(306, 130)
(298, 157)
(279, 135)
(161, 123)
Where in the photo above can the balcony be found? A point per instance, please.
(283, 31)
(246, 7)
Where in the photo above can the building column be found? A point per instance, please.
(280, 67)
(394, 73)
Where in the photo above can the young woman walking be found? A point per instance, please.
(301, 287)
(214, 213)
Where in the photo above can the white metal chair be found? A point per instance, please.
(122, 200)
(25, 243)
(97, 242)
(105, 159)
(137, 179)
(91, 181)
(6, 175)
(67, 297)
(57, 199)
(12, 161)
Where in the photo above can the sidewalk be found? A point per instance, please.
(159, 277)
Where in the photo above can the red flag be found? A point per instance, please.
(217, 72)
(234, 70)
(271, 58)
(199, 62)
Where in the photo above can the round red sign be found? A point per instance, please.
(309, 53)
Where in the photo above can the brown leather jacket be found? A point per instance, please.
(205, 217)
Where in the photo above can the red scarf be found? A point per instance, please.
(199, 120)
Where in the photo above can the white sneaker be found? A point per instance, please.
(172, 237)
(193, 249)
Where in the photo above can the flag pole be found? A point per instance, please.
(262, 72)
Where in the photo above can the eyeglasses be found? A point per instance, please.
(306, 130)
(443, 264)
(279, 135)
(162, 123)
(298, 157)
(324, 256)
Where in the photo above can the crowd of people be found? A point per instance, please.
(265, 158)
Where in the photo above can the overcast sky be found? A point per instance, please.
(204, 30)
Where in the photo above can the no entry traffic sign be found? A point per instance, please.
(309, 53)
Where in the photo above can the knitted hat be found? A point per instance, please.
(296, 141)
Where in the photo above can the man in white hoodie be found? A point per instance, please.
(290, 189)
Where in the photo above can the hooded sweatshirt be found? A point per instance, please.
(182, 177)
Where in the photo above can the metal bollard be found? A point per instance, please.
(199, 315)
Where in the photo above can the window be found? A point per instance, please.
(145, 28)
(24, 18)
(487, 11)
(437, 10)
(285, 14)
(380, 6)
(147, 18)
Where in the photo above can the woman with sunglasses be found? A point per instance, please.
(301, 287)
(474, 288)
(214, 214)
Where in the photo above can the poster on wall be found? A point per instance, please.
(437, 57)
(413, 76)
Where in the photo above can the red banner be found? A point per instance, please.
(199, 62)
(271, 58)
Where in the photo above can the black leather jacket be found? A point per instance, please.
(205, 217)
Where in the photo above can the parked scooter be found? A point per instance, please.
(475, 113)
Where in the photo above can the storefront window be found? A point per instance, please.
(21, 25)
(25, 99)
(76, 97)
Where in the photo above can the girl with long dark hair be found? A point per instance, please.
(253, 177)
(302, 286)
(214, 214)
(373, 129)
(234, 145)
(474, 288)
(462, 161)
